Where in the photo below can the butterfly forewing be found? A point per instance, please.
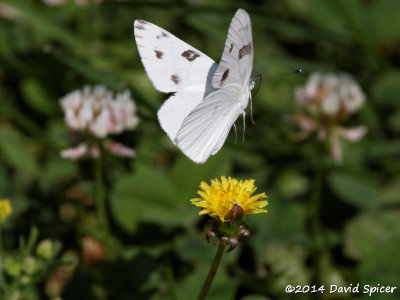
(173, 66)
(237, 59)
(170, 63)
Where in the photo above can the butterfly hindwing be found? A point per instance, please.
(237, 59)
(176, 108)
(206, 128)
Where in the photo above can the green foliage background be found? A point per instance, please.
(46, 52)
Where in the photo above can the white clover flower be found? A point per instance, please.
(328, 100)
(95, 111)
(332, 94)
(74, 152)
(98, 113)
(351, 94)
(330, 105)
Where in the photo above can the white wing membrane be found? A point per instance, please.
(237, 59)
(205, 130)
(174, 110)
(170, 63)
(173, 66)
(208, 97)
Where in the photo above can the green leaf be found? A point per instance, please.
(36, 19)
(55, 170)
(3, 180)
(287, 265)
(20, 204)
(222, 287)
(55, 134)
(384, 23)
(284, 222)
(386, 89)
(382, 268)
(361, 236)
(36, 96)
(15, 149)
(364, 232)
(89, 72)
(147, 194)
(393, 120)
(291, 183)
(356, 189)
(254, 297)
(390, 193)
(383, 149)
(187, 175)
(193, 246)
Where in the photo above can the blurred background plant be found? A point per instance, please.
(22, 268)
(93, 115)
(47, 51)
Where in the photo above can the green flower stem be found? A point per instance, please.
(212, 272)
(2, 281)
(170, 278)
(315, 230)
(315, 201)
(100, 194)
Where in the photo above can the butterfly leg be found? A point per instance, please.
(234, 126)
(244, 124)
(251, 110)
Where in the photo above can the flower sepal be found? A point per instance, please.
(228, 232)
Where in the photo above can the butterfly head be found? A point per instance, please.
(253, 81)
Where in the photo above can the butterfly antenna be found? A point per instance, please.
(252, 84)
(259, 76)
(282, 74)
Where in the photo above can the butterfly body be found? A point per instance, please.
(208, 97)
(245, 94)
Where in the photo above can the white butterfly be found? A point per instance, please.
(208, 97)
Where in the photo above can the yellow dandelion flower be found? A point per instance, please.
(5, 209)
(219, 198)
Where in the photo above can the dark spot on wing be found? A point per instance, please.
(142, 21)
(175, 78)
(245, 50)
(224, 76)
(162, 35)
(190, 55)
(159, 54)
(140, 27)
(138, 36)
(231, 48)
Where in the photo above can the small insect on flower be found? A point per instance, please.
(5, 209)
(228, 201)
(98, 113)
